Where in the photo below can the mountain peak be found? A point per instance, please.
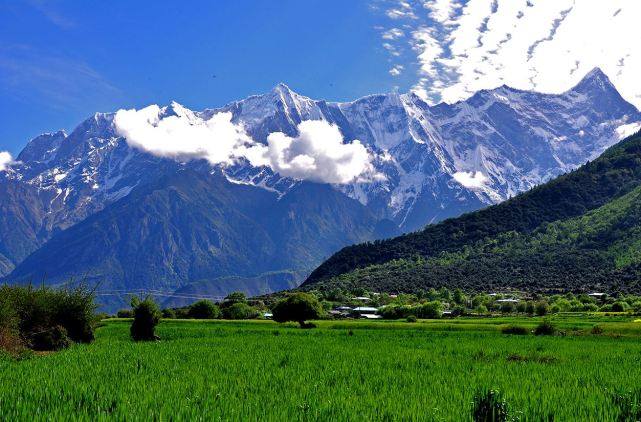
(595, 79)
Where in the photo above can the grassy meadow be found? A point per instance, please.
(342, 370)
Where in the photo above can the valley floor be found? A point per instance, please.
(351, 370)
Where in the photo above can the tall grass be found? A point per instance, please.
(225, 370)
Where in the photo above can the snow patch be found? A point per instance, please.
(470, 180)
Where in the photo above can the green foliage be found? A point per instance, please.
(168, 313)
(490, 406)
(239, 310)
(384, 371)
(298, 307)
(579, 231)
(146, 317)
(125, 313)
(411, 318)
(45, 318)
(515, 330)
(545, 328)
(629, 405)
(204, 309)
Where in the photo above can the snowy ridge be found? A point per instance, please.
(438, 161)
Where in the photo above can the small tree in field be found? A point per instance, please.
(298, 307)
(146, 317)
(203, 309)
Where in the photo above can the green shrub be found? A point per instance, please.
(204, 309)
(490, 406)
(168, 313)
(541, 308)
(596, 330)
(146, 317)
(125, 313)
(430, 310)
(514, 330)
(620, 306)
(545, 328)
(54, 338)
(239, 310)
(629, 405)
(411, 318)
(46, 318)
(298, 307)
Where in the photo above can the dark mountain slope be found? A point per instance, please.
(613, 174)
(193, 225)
(600, 250)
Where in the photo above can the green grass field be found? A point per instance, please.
(260, 370)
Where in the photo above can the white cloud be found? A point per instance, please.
(396, 70)
(630, 129)
(184, 135)
(470, 180)
(547, 46)
(318, 153)
(5, 160)
(393, 34)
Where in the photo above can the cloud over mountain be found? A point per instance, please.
(464, 46)
(5, 160)
(318, 153)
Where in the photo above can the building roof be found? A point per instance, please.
(365, 309)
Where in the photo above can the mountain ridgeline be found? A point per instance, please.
(91, 205)
(580, 231)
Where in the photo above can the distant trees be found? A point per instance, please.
(541, 308)
(203, 309)
(298, 307)
(146, 317)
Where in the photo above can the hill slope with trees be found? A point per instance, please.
(577, 230)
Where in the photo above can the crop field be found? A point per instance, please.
(342, 370)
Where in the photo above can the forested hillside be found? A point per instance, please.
(537, 238)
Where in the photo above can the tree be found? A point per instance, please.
(541, 308)
(203, 309)
(146, 317)
(235, 297)
(298, 307)
(239, 310)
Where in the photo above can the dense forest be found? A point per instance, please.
(579, 230)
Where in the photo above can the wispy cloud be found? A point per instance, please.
(462, 46)
(49, 11)
(56, 81)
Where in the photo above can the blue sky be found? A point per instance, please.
(60, 61)
(63, 60)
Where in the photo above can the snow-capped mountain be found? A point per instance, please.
(437, 162)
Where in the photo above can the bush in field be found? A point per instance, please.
(430, 310)
(203, 309)
(541, 308)
(54, 338)
(490, 406)
(396, 311)
(125, 313)
(515, 330)
(481, 309)
(168, 313)
(620, 306)
(146, 317)
(298, 307)
(629, 405)
(10, 340)
(545, 328)
(239, 310)
(47, 319)
(411, 318)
